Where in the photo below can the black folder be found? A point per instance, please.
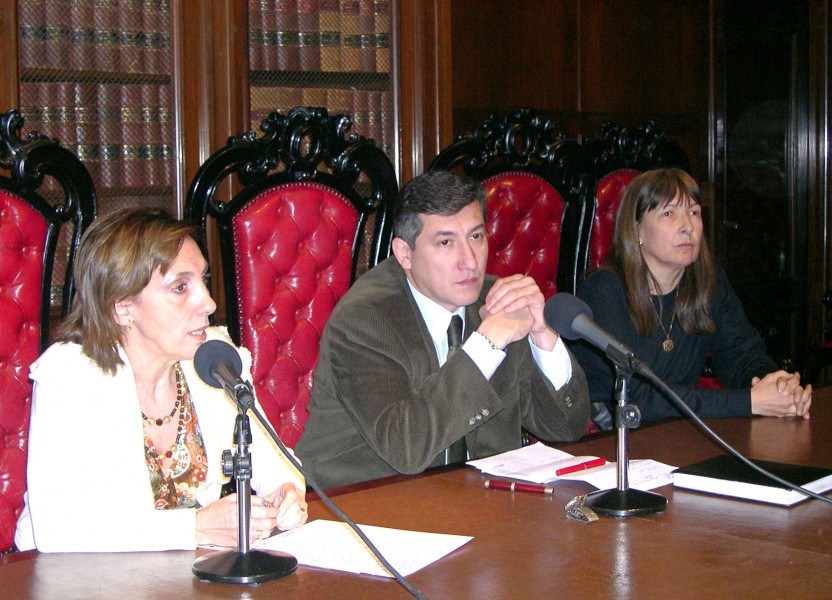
(728, 476)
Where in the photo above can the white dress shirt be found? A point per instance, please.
(554, 364)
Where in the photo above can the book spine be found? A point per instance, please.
(286, 35)
(130, 21)
(330, 37)
(338, 101)
(313, 97)
(82, 36)
(64, 115)
(86, 126)
(366, 25)
(350, 36)
(386, 124)
(32, 39)
(287, 99)
(132, 172)
(358, 111)
(381, 36)
(309, 35)
(262, 99)
(57, 39)
(106, 37)
(58, 117)
(150, 41)
(161, 40)
(262, 28)
(165, 140)
(151, 135)
(30, 105)
(374, 116)
(109, 135)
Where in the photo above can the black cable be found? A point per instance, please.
(680, 404)
(339, 513)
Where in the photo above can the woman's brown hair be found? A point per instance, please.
(116, 258)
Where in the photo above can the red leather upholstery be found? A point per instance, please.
(709, 382)
(293, 253)
(608, 193)
(315, 210)
(525, 214)
(22, 239)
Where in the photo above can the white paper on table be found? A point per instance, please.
(536, 462)
(641, 475)
(333, 545)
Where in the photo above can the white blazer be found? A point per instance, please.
(96, 496)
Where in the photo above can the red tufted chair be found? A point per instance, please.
(29, 230)
(609, 161)
(313, 210)
(533, 215)
(608, 193)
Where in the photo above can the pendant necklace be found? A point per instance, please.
(667, 344)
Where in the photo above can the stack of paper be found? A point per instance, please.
(539, 463)
(333, 545)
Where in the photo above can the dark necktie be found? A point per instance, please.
(456, 452)
(454, 335)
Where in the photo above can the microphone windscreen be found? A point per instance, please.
(560, 313)
(209, 354)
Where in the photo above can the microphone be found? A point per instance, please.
(218, 364)
(571, 317)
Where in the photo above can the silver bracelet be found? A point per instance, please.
(490, 343)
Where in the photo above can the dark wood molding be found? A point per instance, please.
(819, 219)
(9, 86)
(425, 77)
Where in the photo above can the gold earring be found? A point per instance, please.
(130, 325)
(640, 241)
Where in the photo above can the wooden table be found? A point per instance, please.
(702, 546)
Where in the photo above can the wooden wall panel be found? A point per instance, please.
(9, 90)
(508, 55)
(425, 92)
(647, 59)
(644, 56)
(582, 62)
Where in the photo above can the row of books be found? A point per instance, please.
(370, 111)
(122, 133)
(127, 36)
(319, 35)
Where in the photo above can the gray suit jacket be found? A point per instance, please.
(381, 405)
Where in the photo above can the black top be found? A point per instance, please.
(738, 352)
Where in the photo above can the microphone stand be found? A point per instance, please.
(623, 501)
(242, 565)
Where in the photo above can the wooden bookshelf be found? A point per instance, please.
(329, 53)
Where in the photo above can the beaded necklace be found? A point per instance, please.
(178, 405)
(177, 473)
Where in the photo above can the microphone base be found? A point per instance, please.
(255, 566)
(625, 503)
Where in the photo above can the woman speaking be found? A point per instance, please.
(125, 440)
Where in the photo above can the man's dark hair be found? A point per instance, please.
(434, 193)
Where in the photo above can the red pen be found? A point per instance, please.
(595, 462)
(516, 487)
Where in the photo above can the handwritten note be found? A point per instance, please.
(538, 463)
(641, 475)
(333, 545)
